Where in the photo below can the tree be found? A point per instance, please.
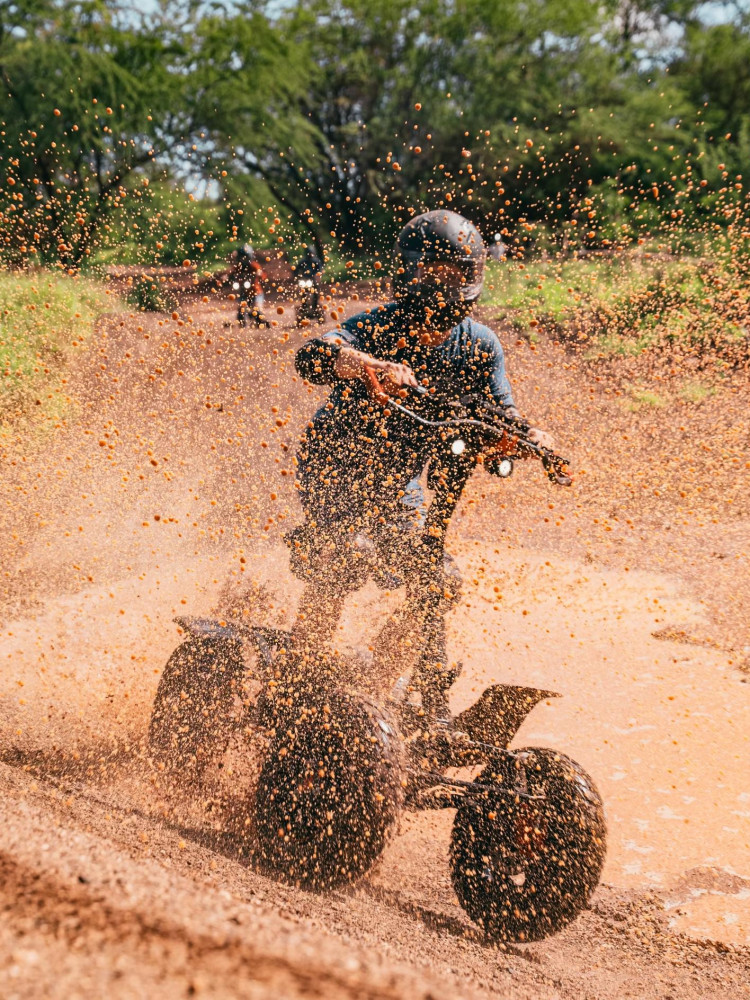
(339, 118)
(87, 100)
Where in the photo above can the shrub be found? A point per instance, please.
(151, 296)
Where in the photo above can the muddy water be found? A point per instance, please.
(663, 726)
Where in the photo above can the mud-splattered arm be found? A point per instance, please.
(316, 359)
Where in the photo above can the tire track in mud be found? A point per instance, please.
(94, 898)
(127, 904)
(77, 917)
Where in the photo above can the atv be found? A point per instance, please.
(338, 767)
(309, 309)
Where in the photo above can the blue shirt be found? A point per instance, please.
(345, 464)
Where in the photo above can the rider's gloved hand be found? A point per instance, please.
(507, 444)
(542, 438)
(381, 378)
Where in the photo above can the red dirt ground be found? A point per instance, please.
(169, 480)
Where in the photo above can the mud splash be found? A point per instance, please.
(105, 548)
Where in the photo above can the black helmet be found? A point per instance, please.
(439, 263)
(246, 251)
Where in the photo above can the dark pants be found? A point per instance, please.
(336, 553)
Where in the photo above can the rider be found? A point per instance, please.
(310, 267)
(498, 249)
(359, 479)
(247, 267)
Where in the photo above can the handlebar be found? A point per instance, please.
(502, 426)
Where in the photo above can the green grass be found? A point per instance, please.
(150, 295)
(696, 392)
(44, 320)
(553, 289)
(631, 302)
(339, 267)
(613, 345)
(642, 399)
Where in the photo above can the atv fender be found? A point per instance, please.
(211, 628)
(496, 716)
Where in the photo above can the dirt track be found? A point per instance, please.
(166, 484)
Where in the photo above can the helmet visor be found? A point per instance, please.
(452, 280)
(449, 275)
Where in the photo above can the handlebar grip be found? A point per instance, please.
(561, 479)
(555, 467)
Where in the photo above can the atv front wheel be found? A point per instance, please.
(329, 793)
(524, 866)
(194, 703)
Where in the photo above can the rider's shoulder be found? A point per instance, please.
(374, 316)
(480, 334)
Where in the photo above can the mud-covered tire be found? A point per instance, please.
(193, 705)
(329, 794)
(524, 869)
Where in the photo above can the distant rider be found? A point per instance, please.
(309, 268)
(498, 249)
(359, 484)
(248, 271)
(309, 265)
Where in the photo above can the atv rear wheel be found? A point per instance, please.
(329, 793)
(192, 713)
(521, 867)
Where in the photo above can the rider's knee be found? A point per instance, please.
(440, 584)
(337, 561)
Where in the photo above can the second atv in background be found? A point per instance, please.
(307, 274)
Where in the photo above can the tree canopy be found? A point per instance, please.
(333, 120)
